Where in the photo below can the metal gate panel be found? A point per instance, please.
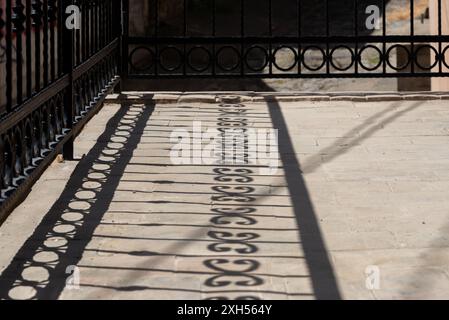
(282, 39)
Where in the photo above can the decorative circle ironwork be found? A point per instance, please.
(303, 59)
(332, 62)
(235, 65)
(177, 52)
(295, 58)
(432, 49)
(388, 53)
(191, 52)
(443, 57)
(265, 54)
(360, 58)
(145, 67)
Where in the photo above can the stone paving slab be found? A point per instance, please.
(358, 208)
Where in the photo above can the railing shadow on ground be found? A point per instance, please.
(59, 241)
(62, 237)
(215, 266)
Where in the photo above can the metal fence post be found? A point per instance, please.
(67, 44)
(122, 32)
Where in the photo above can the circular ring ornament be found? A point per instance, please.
(416, 55)
(177, 52)
(332, 58)
(295, 55)
(396, 68)
(264, 53)
(360, 61)
(443, 57)
(134, 51)
(303, 60)
(199, 49)
(232, 67)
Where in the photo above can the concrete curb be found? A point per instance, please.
(213, 97)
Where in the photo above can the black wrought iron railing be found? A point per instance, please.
(286, 39)
(58, 61)
(60, 58)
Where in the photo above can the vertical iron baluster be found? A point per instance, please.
(91, 27)
(9, 71)
(384, 34)
(88, 27)
(103, 23)
(94, 26)
(80, 33)
(114, 16)
(214, 33)
(156, 35)
(121, 31)
(51, 21)
(60, 23)
(2, 35)
(328, 58)
(184, 65)
(29, 66)
(413, 57)
(356, 34)
(100, 23)
(299, 13)
(95, 14)
(84, 29)
(271, 56)
(440, 33)
(18, 18)
(107, 10)
(77, 38)
(109, 21)
(68, 65)
(46, 49)
(242, 37)
(96, 38)
(36, 14)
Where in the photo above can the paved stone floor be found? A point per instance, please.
(359, 208)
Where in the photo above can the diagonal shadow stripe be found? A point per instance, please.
(312, 243)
